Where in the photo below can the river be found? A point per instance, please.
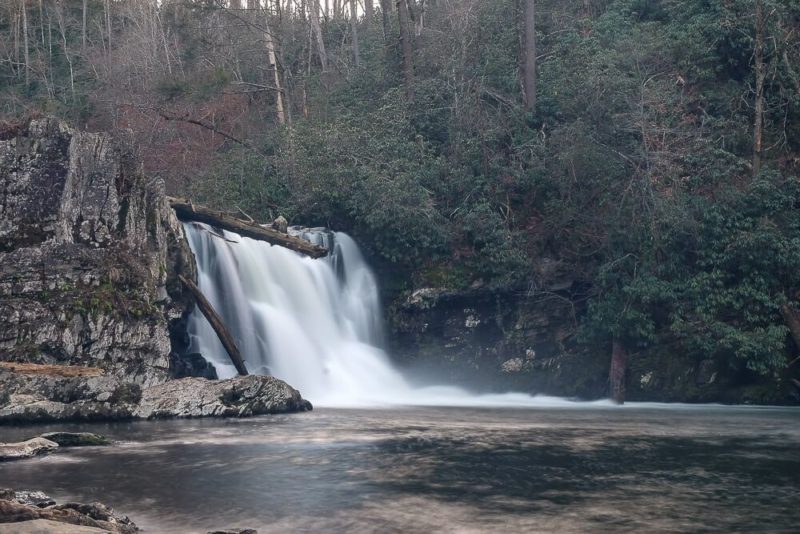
(569, 469)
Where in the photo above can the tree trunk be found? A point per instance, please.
(317, 31)
(761, 75)
(386, 12)
(616, 377)
(107, 5)
(528, 54)
(280, 111)
(83, 26)
(186, 211)
(792, 318)
(216, 323)
(354, 30)
(406, 50)
(25, 42)
(369, 12)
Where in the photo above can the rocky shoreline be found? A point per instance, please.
(39, 399)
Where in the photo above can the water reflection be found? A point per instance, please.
(463, 470)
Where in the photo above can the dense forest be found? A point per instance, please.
(637, 157)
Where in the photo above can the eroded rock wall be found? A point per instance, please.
(89, 255)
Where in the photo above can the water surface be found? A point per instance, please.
(571, 469)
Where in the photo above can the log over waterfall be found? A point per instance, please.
(186, 211)
(216, 323)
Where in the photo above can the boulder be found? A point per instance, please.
(242, 396)
(26, 449)
(62, 518)
(33, 498)
(75, 439)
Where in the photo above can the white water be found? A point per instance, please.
(314, 323)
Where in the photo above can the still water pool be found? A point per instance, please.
(572, 469)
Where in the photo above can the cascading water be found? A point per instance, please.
(314, 323)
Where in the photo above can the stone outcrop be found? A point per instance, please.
(242, 396)
(26, 449)
(494, 341)
(19, 514)
(89, 251)
(39, 398)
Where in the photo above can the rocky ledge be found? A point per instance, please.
(41, 398)
(24, 512)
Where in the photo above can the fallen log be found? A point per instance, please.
(216, 323)
(186, 211)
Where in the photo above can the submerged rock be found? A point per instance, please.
(234, 531)
(76, 439)
(242, 396)
(26, 449)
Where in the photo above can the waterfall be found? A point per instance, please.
(314, 323)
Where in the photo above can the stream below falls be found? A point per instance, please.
(565, 469)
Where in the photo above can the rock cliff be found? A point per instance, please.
(92, 312)
(88, 249)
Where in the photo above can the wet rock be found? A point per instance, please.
(76, 439)
(281, 224)
(62, 518)
(42, 398)
(514, 365)
(26, 449)
(242, 396)
(234, 531)
(33, 498)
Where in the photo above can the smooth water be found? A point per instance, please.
(586, 469)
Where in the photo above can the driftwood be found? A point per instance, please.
(51, 370)
(186, 211)
(216, 323)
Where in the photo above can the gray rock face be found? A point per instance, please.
(26, 449)
(87, 247)
(242, 396)
(51, 398)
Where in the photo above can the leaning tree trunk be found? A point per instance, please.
(616, 377)
(216, 323)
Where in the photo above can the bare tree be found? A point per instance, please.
(386, 12)
(406, 49)
(354, 30)
(317, 31)
(25, 51)
(528, 54)
(280, 112)
(761, 75)
(369, 11)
